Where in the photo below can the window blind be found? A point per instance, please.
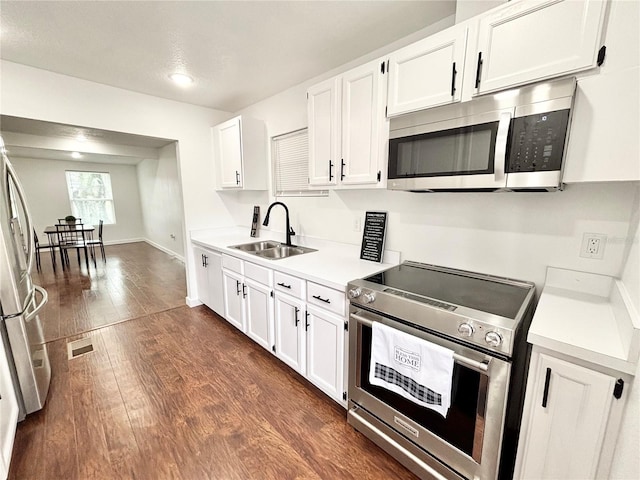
(290, 156)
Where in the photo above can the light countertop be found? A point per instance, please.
(333, 264)
(589, 317)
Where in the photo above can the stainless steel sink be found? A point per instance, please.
(272, 250)
(283, 251)
(256, 246)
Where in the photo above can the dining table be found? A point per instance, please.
(52, 234)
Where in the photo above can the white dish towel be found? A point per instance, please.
(414, 368)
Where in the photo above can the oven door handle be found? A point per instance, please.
(482, 366)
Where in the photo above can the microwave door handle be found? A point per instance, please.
(500, 154)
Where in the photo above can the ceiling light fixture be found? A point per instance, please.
(181, 79)
(76, 155)
(81, 138)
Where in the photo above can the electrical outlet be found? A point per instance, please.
(357, 224)
(593, 245)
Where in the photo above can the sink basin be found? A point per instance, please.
(272, 250)
(283, 251)
(256, 246)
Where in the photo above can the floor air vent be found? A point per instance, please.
(79, 347)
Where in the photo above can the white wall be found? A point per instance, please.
(45, 186)
(38, 94)
(161, 199)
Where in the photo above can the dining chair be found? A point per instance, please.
(43, 246)
(73, 237)
(93, 242)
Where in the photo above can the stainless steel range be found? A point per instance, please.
(484, 320)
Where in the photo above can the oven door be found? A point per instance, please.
(462, 153)
(468, 440)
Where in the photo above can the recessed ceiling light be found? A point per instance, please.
(81, 138)
(181, 79)
(76, 154)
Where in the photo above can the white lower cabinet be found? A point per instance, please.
(302, 323)
(259, 312)
(234, 299)
(248, 300)
(325, 351)
(289, 331)
(209, 278)
(567, 420)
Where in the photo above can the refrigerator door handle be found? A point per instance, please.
(43, 301)
(23, 200)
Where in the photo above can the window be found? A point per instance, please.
(290, 157)
(91, 197)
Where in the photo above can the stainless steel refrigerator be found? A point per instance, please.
(20, 300)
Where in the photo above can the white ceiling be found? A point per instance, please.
(238, 52)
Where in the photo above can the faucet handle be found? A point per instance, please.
(291, 232)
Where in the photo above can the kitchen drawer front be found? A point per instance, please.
(291, 285)
(325, 297)
(232, 263)
(259, 274)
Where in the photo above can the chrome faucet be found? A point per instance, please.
(289, 230)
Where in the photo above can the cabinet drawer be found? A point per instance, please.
(232, 263)
(326, 297)
(258, 273)
(286, 283)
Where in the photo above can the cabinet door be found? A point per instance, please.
(202, 275)
(289, 321)
(233, 299)
(364, 125)
(259, 312)
(213, 263)
(325, 351)
(230, 153)
(323, 110)
(8, 413)
(529, 41)
(427, 73)
(565, 434)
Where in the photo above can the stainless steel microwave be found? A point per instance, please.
(512, 140)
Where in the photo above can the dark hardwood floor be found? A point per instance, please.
(137, 279)
(179, 393)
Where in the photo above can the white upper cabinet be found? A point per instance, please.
(239, 147)
(323, 110)
(527, 41)
(348, 131)
(427, 73)
(365, 130)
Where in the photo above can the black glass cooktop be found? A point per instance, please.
(490, 294)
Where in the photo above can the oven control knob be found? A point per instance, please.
(368, 297)
(354, 292)
(465, 329)
(493, 338)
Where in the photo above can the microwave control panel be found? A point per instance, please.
(536, 142)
